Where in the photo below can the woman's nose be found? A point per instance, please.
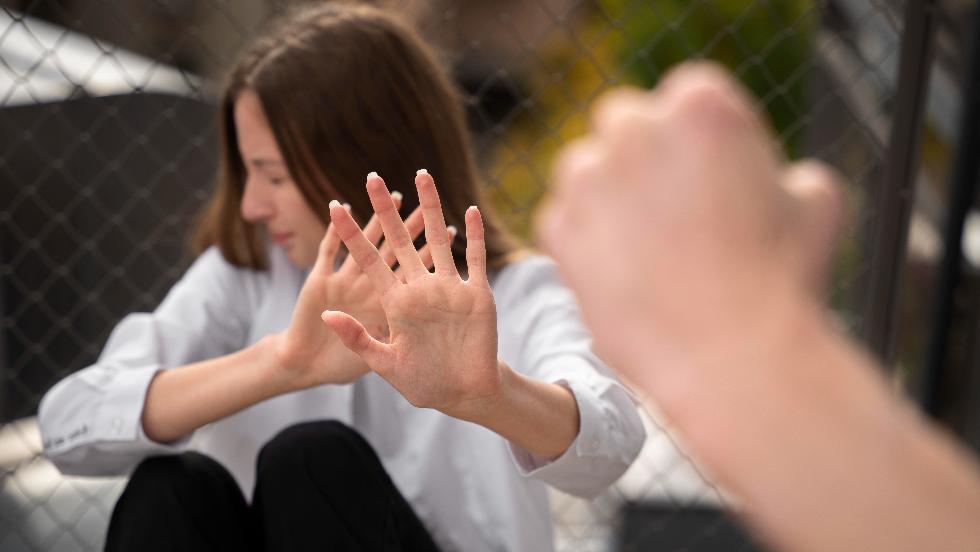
(256, 206)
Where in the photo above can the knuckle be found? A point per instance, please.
(817, 171)
(620, 117)
(576, 161)
(614, 101)
(437, 239)
(703, 97)
(364, 259)
(361, 338)
(697, 72)
(710, 111)
(400, 240)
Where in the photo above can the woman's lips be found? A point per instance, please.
(282, 238)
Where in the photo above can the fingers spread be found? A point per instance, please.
(425, 253)
(373, 230)
(436, 235)
(395, 231)
(364, 253)
(415, 226)
(327, 252)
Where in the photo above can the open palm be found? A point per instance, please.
(312, 352)
(441, 350)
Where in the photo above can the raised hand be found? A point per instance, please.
(441, 350)
(678, 224)
(309, 351)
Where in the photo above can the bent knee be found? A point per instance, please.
(328, 444)
(189, 470)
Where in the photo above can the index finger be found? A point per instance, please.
(364, 252)
(394, 229)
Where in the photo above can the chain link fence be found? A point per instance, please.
(107, 149)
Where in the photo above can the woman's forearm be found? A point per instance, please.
(182, 399)
(538, 416)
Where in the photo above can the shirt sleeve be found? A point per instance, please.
(553, 345)
(90, 421)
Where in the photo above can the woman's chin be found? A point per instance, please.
(298, 257)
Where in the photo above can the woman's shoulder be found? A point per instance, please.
(531, 261)
(212, 268)
(528, 277)
(212, 262)
(212, 259)
(216, 284)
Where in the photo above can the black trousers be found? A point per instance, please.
(319, 486)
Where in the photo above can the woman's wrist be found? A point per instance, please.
(481, 410)
(280, 374)
(182, 399)
(535, 415)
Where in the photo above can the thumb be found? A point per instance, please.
(356, 338)
(817, 194)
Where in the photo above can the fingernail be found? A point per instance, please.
(334, 203)
(396, 195)
(372, 174)
(347, 206)
(472, 207)
(421, 171)
(324, 315)
(452, 229)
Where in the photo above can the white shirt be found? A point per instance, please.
(471, 488)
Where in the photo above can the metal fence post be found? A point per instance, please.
(893, 207)
(966, 170)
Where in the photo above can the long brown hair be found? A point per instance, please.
(347, 89)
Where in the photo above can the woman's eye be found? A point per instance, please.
(277, 180)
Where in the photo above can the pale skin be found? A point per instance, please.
(306, 354)
(441, 350)
(540, 417)
(712, 307)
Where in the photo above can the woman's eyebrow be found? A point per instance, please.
(262, 162)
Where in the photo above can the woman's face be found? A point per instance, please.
(271, 198)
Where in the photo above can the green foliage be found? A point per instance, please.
(767, 43)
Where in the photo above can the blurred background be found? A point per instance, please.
(107, 149)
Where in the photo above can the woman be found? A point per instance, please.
(248, 421)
